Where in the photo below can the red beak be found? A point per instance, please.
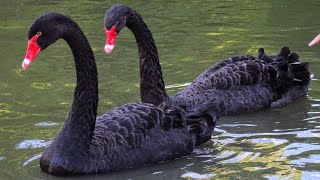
(111, 38)
(32, 51)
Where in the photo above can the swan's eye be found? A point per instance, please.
(39, 33)
(117, 23)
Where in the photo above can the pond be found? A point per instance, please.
(190, 36)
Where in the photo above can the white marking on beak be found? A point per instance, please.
(108, 48)
(25, 64)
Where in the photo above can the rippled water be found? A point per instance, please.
(273, 144)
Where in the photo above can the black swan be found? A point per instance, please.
(243, 83)
(128, 136)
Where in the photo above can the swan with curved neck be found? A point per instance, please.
(244, 83)
(128, 136)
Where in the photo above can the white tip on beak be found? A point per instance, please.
(108, 48)
(25, 64)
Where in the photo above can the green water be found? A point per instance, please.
(273, 144)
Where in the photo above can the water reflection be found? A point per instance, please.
(32, 144)
(33, 158)
(46, 124)
(196, 175)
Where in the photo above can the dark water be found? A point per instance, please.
(273, 144)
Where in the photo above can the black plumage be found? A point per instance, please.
(244, 83)
(128, 136)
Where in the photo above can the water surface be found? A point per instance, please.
(278, 143)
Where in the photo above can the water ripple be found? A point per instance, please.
(33, 143)
(241, 156)
(194, 175)
(299, 148)
(238, 125)
(310, 175)
(299, 134)
(311, 118)
(46, 124)
(275, 142)
(35, 157)
(314, 159)
(177, 85)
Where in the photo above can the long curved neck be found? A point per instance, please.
(152, 88)
(78, 129)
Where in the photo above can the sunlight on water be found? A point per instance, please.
(237, 125)
(299, 134)
(46, 124)
(196, 175)
(41, 85)
(313, 159)
(275, 142)
(299, 148)
(159, 172)
(311, 175)
(35, 157)
(32, 144)
(177, 85)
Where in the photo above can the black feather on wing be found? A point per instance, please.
(127, 124)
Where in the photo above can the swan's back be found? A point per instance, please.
(133, 135)
(246, 83)
(139, 133)
(128, 125)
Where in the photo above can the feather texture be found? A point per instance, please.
(128, 136)
(244, 83)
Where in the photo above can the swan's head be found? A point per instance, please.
(44, 31)
(114, 21)
(315, 41)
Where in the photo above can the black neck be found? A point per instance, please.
(78, 130)
(152, 88)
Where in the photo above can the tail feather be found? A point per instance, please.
(301, 73)
(292, 74)
(261, 53)
(288, 67)
(202, 119)
(263, 56)
(293, 57)
(282, 55)
(284, 52)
